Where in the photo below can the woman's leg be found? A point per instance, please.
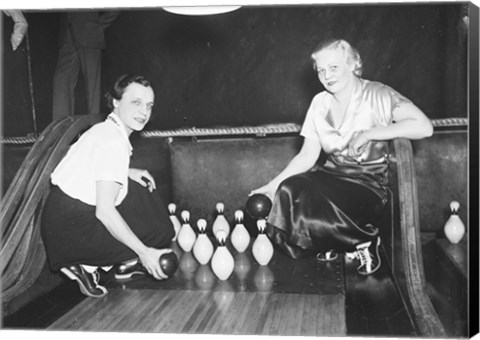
(147, 216)
(316, 211)
(73, 235)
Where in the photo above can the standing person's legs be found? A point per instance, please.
(91, 61)
(65, 80)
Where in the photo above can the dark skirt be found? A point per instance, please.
(73, 235)
(320, 211)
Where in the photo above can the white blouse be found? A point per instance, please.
(101, 153)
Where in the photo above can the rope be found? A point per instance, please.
(447, 122)
(243, 130)
(229, 131)
(18, 140)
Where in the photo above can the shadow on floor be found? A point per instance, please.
(374, 306)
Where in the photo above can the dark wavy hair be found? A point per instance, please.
(118, 89)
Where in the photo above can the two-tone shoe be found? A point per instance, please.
(126, 270)
(369, 256)
(87, 282)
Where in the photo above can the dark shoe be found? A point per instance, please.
(369, 257)
(87, 282)
(327, 256)
(125, 270)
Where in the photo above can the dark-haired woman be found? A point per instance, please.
(337, 207)
(100, 212)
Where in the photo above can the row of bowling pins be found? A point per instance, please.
(222, 259)
(240, 236)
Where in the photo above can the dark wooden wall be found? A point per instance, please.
(251, 66)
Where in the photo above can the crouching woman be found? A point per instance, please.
(100, 212)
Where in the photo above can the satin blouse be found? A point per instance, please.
(371, 105)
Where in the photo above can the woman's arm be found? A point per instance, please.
(302, 162)
(108, 214)
(408, 122)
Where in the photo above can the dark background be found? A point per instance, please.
(251, 66)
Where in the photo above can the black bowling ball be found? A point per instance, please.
(169, 263)
(259, 206)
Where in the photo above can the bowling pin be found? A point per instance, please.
(454, 228)
(262, 248)
(240, 236)
(220, 222)
(203, 247)
(222, 260)
(175, 221)
(186, 236)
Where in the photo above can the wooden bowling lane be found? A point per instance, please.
(286, 297)
(209, 312)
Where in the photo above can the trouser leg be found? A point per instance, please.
(73, 235)
(315, 212)
(91, 61)
(65, 80)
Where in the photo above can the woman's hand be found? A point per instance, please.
(150, 260)
(268, 190)
(358, 144)
(142, 177)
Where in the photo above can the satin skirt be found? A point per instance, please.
(73, 235)
(320, 211)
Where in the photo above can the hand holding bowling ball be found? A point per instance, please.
(168, 263)
(259, 206)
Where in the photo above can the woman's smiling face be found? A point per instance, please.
(333, 69)
(135, 106)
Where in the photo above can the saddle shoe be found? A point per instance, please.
(87, 282)
(369, 256)
(127, 269)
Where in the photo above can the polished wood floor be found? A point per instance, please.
(287, 297)
(210, 312)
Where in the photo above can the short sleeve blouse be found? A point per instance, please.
(101, 153)
(371, 105)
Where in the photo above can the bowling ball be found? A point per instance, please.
(258, 206)
(169, 263)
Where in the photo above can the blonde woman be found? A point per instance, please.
(336, 207)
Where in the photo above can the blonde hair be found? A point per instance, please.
(351, 53)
